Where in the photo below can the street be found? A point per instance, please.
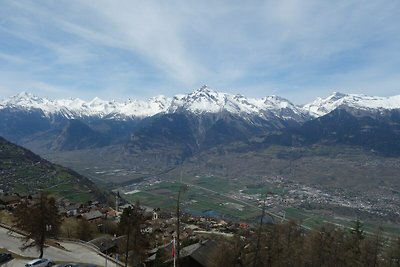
(70, 252)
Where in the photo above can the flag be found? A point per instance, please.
(173, 248)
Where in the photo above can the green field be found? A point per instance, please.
(215, 195)
(195, 199)
(262, 190)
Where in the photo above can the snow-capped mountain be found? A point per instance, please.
(206, 100)
(323, 106)
(78, 108)
(170, 130)
(193, 121)
(202, 101)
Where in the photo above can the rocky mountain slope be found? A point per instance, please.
(161, 133)
(201, 101)
(210, 118)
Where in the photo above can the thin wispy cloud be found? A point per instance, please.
(121, 49)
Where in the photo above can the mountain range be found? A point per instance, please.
(201, 101)
(159, 134)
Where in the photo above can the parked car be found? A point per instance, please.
(4, 257)
(40, 263)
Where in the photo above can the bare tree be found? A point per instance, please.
(182, 189)
(228, 252)
(84, 230)
(40, 220)
(137, 241)
(255, 261)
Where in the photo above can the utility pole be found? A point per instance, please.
(127, 238)
(173, 249)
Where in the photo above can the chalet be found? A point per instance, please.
(198, 254)
(71, 210)
(10, 201)
(111, 213)
(92, 216)
(104, 243)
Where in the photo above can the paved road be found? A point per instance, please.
(72, 252)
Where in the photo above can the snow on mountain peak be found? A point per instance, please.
(201, 101)
(322, 106)
(138, 108)
(336, 96)
(25, 97)
(206, 100)
(204, 88)
(29, 101)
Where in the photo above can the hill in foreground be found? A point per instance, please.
(22, 171)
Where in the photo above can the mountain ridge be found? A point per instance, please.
(203, 100)
(323, 106)
(187, 124)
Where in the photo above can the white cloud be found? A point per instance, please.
(271, 47)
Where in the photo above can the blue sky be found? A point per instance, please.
(119, 49)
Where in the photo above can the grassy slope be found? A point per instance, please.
(24, 172)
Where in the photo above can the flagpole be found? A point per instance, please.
(173, 249)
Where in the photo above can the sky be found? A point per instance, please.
(297, 49)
